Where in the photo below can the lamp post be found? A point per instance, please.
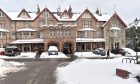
(136, 39)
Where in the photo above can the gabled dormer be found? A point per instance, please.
(87, 14)
(115, 21)
(65, 14)
(3, 14)
(24, 14)
(45, 13)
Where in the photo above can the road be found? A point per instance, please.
(37, 72)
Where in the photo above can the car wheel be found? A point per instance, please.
(123, 54)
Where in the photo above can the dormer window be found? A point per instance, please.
(86, 15)
(1, 14)
(45, 14)
(65, 15)
(24, 14)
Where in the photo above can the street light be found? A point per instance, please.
(136, 38)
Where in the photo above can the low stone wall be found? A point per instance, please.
(122, 73)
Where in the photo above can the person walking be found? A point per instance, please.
(39, 52)
(108, 53)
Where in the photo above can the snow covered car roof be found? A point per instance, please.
(52, 48)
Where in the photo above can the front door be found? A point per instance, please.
(67, 48)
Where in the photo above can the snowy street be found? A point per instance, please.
(60, 69)
(36, 72)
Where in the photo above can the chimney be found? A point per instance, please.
(98, 12)
(38, 9)
(59, 11)
(70, 12)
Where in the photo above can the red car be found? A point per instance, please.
(2, 51)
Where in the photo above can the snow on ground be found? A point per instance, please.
(91, 54)
(7, 67)
(85, 71)
(32, 55)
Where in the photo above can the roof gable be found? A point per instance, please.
(4, 13)
(65, 14)
(86, 14)
(116, 16)
(45, 15)
(24, 14)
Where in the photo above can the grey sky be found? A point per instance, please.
(127, 9)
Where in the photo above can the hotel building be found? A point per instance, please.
(66, 29)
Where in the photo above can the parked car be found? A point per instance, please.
(53, 50)
(2, 51)
(118, 51)
(129, 52)
(12, 51)
(100, 51)
(123, 51)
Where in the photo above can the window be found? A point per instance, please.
(67, 33)
(1, 14)
(41, 23)
(51, 22)
(86, 15)
(86, 24)
(13, 35)
(65, 15)
(114, 23)
(52, 34)
(97, 25)
(61, 34)
(2, 23)
(45, 14)
(116, 45)
(114, 33)
(26, 24)
(80, 34)
(41, 35)
(4, 33)
(13, 24)
(24, 15)
(65, 23)
(32, 33)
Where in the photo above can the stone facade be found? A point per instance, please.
(67, 30)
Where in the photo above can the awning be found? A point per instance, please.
(90, 40)
(3, 30)
(27, 41)
(115, 28)
(87, 29)
(26, 29)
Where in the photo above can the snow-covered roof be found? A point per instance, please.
(13, 15)
(3, 30)
(74, 17)
(26, 29)
(115, 28)
(25, 41)
(90, 40)
(103, 17)
(133, 24)
(87, 29)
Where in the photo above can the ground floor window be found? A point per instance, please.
(86, 46)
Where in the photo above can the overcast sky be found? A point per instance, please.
(128, 10)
